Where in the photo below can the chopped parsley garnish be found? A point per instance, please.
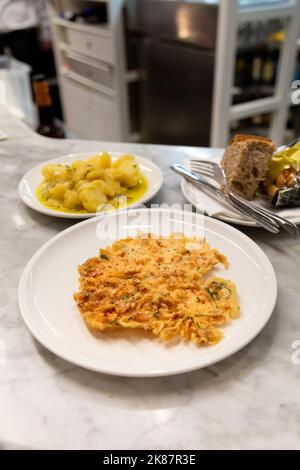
(215, 287)
(103, 256)
(212, 293)
(222, 285)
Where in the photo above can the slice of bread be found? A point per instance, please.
(245, 163)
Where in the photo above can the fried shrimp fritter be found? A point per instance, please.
(160, 285)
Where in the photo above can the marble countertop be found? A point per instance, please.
(250, 400)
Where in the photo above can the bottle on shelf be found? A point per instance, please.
(268, 68)
(48, 127)
(256, 68)
(243, 72)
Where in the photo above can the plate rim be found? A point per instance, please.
(230, 220)
(260, 324)
(65, 215)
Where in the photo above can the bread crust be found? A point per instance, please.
(248, 137)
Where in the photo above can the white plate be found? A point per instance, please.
(33, 178)
(50, 279)
(232, 216)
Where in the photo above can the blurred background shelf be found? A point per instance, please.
(274, 66)
(177, 72)
(99, 29)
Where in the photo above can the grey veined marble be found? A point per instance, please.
(251, 400)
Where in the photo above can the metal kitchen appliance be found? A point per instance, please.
(176, 43)
(177, 46)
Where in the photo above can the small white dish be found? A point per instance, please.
(50, 279)
(30, 181)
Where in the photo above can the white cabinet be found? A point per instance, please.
(99, 72)
(90, 113)
(90, 44)
(91, 67)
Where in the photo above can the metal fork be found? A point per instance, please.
(261, 220)
(215, 171)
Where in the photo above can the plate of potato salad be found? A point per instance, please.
(80, 186)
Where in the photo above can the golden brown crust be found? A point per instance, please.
(254, 138)
(159, 285)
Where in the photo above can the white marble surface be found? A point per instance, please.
(250, 400)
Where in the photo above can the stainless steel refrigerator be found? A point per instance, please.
(176, 47)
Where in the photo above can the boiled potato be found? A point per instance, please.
(58, 191)
(111, 188)
(112, 174)
(57, 172)
(71, 200)
(100, 161)
(95, 174)
(80, 169)
(92, 197)
(44, 189)
(129, 170)
(80, 184)
(124, 159)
